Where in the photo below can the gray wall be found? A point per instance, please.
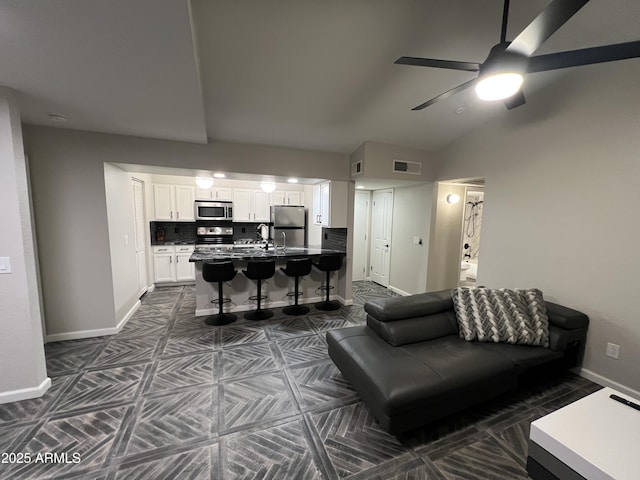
(562, 193)
(411, 217)
(68, 175)
(22, 364)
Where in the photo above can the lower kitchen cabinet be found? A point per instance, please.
(171, 264)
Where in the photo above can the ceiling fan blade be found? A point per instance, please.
(515, 100)
(447, 94)
(585, 56)
(556, 14)
(430, 62)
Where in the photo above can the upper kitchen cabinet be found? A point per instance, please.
(282, 197)
(330, 204)
(173, 202)
(250, 205)
(215, 193)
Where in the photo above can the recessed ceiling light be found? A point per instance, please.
(57, 117)
(219, 175)
(292, 180)
(359, 186)
(460, 109)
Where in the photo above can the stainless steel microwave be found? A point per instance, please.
(206, 210)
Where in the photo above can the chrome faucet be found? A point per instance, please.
(284, 240)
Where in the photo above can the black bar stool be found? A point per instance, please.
(219, 272)
(259, 270)
(328, 263)
(296, 267)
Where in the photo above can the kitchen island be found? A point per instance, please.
(276, 288)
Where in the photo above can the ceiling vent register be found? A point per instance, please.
(356, 168)
(401, 166)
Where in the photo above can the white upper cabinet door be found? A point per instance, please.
(242, 205)
(204, 194)
(278, 197)
(261, 206)
(223, 193)
(163, 202)
(295, 198)
(185, 209)
(325, 204)
(317, 205)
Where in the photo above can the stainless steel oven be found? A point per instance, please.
(213, 211)
(217, 236)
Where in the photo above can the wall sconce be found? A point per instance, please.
(453, 198)
(268, 187)
(204, 182)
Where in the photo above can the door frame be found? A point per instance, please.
(364, 243)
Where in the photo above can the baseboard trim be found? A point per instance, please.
(344, 302)
(26, 393)
(398, 291)
(606, 382)
(281, 303)
(98, 332)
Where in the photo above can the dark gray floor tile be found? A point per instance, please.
(144, 327)
(127, 350)
(242, 333)
(354, 440)
(199, 463)
(405, 467)
(278, 452)
(260, 398)
(302, 349)
(242, 360)
(322, 385)
(288, 328)
(102, 387)
(184, 371)
(171, 420)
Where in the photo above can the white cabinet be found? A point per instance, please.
(173, 202)
(215, 193)
(171, 264)
(281, 197)
(250, 205)
(322, 204)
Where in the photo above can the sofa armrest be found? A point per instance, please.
(400, 308)
(565, 317)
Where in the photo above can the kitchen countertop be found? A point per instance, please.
(259, 253)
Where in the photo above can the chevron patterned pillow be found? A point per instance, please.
(511, 316)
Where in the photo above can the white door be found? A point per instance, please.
(140, 235)
(360, 235)
(185, 209)
(185, 270)
(278, 198)
(295, 198)
(241, 205)
(223, 193)
(261, 206)
(381, 221)
(163, 202)
(163, 267)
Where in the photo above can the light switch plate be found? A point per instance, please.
(5, 265)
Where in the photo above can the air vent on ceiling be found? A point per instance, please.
(356, 168)
(401, 166)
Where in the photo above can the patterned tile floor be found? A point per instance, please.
(171, 398)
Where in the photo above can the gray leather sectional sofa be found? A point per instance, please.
(410, 366)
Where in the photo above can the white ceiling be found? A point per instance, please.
(303, 73)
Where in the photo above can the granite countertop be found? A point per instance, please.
(172, 242)
(259, 253)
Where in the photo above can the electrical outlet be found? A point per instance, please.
(613, 350)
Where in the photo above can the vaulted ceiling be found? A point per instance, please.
(302, 73)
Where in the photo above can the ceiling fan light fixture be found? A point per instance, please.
(498, 86)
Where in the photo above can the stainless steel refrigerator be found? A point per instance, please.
(291, 221)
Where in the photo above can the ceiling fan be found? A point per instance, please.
(501, 75)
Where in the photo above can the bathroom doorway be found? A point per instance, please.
(471, 230)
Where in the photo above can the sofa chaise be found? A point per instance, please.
(411, 367)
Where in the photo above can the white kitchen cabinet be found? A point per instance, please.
(215, 193)
(171, 264)
(173, 202)
(250, 205)
(282, 197)
(322, 204)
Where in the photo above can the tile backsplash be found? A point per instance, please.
(334, 238)
(172, 231)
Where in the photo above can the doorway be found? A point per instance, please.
(471, 227)
(361, 216)
(381, 224)
(140, 234)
